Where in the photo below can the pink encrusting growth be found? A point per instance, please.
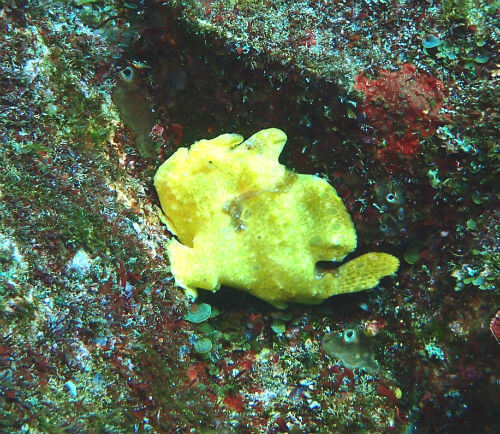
(495, 326)
(404, 107)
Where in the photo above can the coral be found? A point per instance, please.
(246, 221)
(403, 106)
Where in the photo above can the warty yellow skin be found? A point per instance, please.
(246, 221)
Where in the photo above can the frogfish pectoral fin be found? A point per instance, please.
(360, 273)
(190, 269)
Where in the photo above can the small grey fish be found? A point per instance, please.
(130, 97)
(353, 348)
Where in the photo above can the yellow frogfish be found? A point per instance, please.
(244, 220)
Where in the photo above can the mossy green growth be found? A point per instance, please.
(460, 9)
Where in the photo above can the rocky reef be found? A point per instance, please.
(396, 106)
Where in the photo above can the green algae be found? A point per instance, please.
(198, 313)
(75, 223)
(469, 11)
(203, 346)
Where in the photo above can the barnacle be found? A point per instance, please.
(244, 220)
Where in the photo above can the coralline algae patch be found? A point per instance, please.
(404, 107)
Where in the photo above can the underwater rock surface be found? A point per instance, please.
(95, 336)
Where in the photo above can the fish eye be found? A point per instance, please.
(127, 73)
(349, 335)
(391, 198)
